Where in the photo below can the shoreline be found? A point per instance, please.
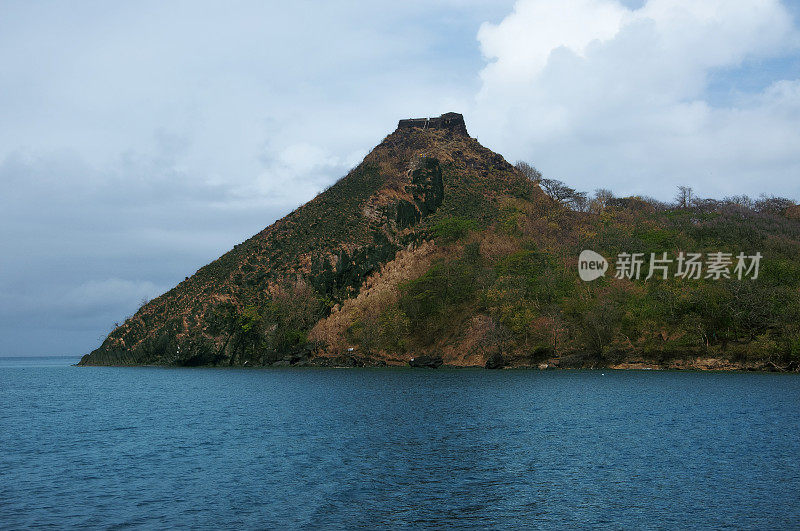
(729, 367)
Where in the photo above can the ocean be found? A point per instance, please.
(104, 447)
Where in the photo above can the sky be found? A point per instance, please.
(141, 140)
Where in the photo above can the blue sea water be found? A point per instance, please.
(211, 448)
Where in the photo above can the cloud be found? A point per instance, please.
(601, 95)
(519, 51)
(140, 142)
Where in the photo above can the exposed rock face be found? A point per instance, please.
(426, 189)
(495, 361)
(426, 362)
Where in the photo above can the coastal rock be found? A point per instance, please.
(426, 361)
(495, 361)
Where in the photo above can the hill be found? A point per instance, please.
(435, 250)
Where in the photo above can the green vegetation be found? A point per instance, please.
(542, 309)
(274, 331)
(452, 229)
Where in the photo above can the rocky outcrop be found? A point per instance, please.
(426, 361)
(495, 361)
(426, 189)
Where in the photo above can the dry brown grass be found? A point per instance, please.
(495, 246)
(475, 345)
(378, 292)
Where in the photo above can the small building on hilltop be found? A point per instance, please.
(452, 121)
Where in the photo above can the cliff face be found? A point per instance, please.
(256, 304)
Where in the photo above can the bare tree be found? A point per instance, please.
(705, 205)
(603, 195)
(566, 195)
(655, 203)
(770, 204)
(741, 201)
(579, 202)
(557, 190)
(684, 197)
(601, 198)
(529, 171)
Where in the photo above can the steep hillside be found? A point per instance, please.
(436, 251)
(256, 303)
